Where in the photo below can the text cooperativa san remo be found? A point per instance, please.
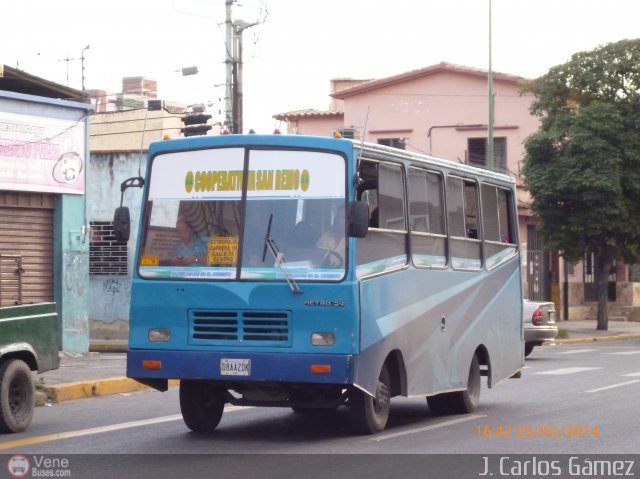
(539, 467)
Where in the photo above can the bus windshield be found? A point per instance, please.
(245, 214)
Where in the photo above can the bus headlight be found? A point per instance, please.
(159, 335)
(323, 339)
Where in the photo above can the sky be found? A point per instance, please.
(296, 46)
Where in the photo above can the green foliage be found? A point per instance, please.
(582, 166)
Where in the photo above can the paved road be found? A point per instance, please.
(583, 396)
(573, 399)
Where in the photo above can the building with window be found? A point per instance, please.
(44, 233)
(441, 110)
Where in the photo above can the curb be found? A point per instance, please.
(595, 339)
(94, 388)
(109, 346)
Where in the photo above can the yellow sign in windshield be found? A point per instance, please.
(223, 251)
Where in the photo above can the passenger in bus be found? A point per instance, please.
(333, 241)
(191, 249)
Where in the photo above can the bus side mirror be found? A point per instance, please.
(358, 218)
(121, 224)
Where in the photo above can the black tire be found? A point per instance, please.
(369, 415)
(528, 349)
(17, 396)
(439, 404)
(459, 402)
(201, 405)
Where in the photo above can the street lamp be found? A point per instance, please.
(187, 71)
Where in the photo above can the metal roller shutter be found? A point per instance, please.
(26, 246)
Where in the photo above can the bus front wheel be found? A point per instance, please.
(201, 405)
(370, 414)
(459, 402)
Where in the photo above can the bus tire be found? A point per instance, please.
(528, 349)
(201, 405)
(439, 404)
(459, 402)
(464, 402)
(369, 415)
(17, 396)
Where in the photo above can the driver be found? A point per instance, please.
(190, 249)
(333, 241)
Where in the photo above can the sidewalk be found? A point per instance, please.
(103, 371)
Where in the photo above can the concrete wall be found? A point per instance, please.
(320, 126)
(110, 295)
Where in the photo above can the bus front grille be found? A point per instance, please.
(246, 328)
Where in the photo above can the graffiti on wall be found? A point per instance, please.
(112, 286)
(75, 272)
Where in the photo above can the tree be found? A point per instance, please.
(582, 167)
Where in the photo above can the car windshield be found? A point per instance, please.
(289, 223)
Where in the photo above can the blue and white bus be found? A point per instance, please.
(319, 272)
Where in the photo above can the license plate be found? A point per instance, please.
(552, 317)
(235, 367)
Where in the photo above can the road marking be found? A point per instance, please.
(626, 383)
(563, 371)
(632, 375)
(406, 432)
(29, 441)
(578, 351)
(626, 352)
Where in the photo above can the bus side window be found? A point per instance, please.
(382, 188)
(497, 224)
(462, 209)
(471, 209)
(426, 216)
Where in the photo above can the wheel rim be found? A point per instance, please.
(382, 399)
(17, 398)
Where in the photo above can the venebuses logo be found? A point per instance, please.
(18, 466)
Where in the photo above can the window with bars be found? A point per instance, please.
(106, 255)
(477, 148)
(393, 142)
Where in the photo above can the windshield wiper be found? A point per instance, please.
(279, 258)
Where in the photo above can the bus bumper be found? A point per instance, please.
(151, 365)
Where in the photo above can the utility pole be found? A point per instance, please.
(230, 64)
(68, 59)
(490, 162)
(239, 27)
(233, 96)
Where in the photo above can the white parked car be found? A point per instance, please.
(539, 323)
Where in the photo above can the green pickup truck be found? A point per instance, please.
(28, 342)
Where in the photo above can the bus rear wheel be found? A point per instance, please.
(201, 405)
(459, 402)
(370, 414)
(528, 349)
(17, 396)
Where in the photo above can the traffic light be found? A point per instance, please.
(195, 124)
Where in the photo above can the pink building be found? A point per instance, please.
(442, 110)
